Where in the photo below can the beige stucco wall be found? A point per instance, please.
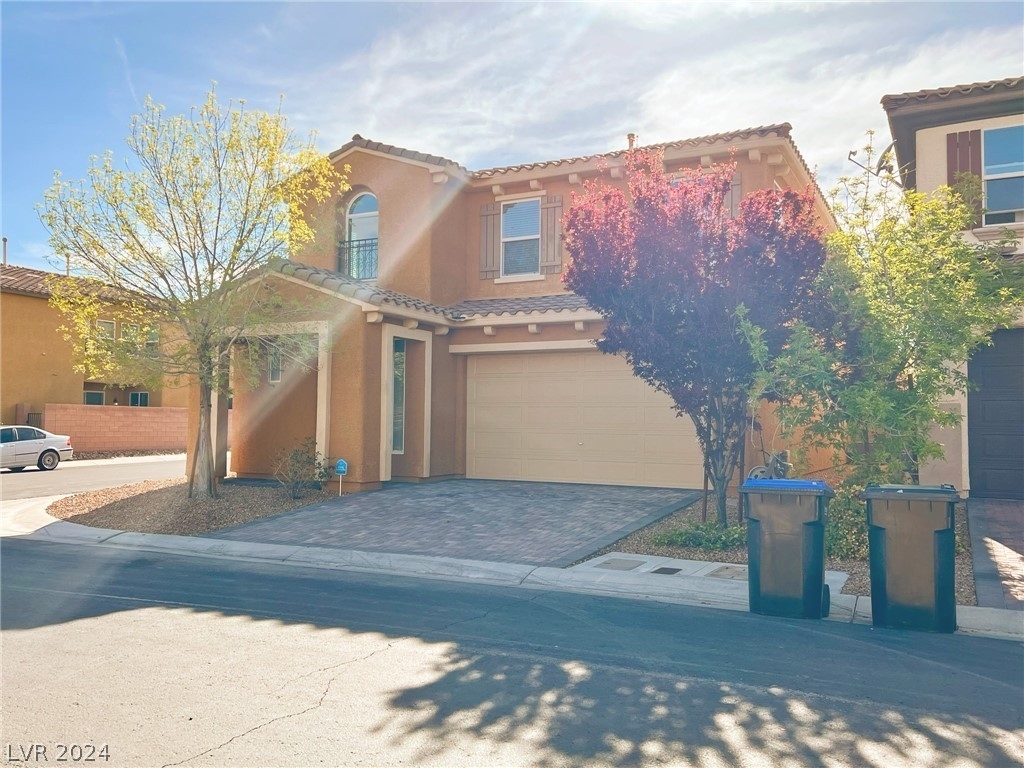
(36, 364)
(35, 361)
(931, 148)
(954, 468)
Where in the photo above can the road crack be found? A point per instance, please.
(279, 718)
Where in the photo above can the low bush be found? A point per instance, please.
(301, 467)
(705, 536)
(846, 527)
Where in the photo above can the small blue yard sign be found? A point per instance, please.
(341, 467)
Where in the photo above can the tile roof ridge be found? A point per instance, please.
(782, 130)
(396, 151)
(931, 94)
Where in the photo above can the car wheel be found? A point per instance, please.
(16, 469)
(49, 460)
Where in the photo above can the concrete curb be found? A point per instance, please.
(692, 585)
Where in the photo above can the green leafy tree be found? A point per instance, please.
(667, 267)
(911, 298)
(179, 240)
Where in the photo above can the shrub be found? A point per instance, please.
(301, 467)
(846, 526)
(707, 535)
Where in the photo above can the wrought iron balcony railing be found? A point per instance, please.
(358, 258)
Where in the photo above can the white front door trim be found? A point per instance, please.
(387, 393)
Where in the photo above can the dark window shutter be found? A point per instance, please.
(551, 235)
(735, 192)
(490, 241)
(963, 154)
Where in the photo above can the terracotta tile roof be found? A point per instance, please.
(562, 302)
(31, 282)
(390, 149)
(35, 282)
(781, 130)
(360, 290)
(938, 94)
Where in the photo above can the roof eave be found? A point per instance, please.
(910, 113)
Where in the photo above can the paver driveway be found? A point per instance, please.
(551, 524)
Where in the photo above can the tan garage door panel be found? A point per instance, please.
(578, 417)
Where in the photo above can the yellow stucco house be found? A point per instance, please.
(39, 386)
(447, 344)
(940, 133)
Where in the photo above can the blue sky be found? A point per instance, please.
(484, 84)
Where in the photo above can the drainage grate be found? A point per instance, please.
(620, 564)
(667, 571)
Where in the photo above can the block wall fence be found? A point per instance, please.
(118, 427)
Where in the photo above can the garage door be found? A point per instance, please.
(995, 417)
(576, 417)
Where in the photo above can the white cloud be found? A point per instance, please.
(495, 84)
(34, 254)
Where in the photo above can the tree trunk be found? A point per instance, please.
(201, 485)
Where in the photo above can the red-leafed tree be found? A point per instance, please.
(667, 267)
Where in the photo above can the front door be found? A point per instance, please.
(405, 403)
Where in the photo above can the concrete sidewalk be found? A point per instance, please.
(997, 551)
(712, 585)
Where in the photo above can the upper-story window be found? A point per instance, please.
(357, 248)
(1003, 174)
(520, 238)
(107, 328)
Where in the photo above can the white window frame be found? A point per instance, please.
(986, 177)
(104, 324)
(521, 238)
(351, 219)
(398, 421)
(274, 366)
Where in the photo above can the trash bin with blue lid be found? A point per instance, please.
(912, 554)
(786, 547)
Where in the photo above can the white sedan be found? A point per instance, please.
(22, 447)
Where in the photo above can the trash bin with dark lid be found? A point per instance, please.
(911, 546)
(786, 547)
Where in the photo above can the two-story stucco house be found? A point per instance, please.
(941, 133)
(40, 386)
(448, 346)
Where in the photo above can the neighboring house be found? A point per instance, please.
(39, 386)
(976, 128)
(448, 346)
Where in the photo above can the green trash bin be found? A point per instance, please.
(786, 547)
(912, 551)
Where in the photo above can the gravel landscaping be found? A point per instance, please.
(163, 506)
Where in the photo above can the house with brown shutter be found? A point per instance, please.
(940, 134)
(447, 345)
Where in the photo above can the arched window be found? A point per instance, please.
(357, 249)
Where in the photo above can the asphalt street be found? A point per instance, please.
(175, 660)
(79, 476)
